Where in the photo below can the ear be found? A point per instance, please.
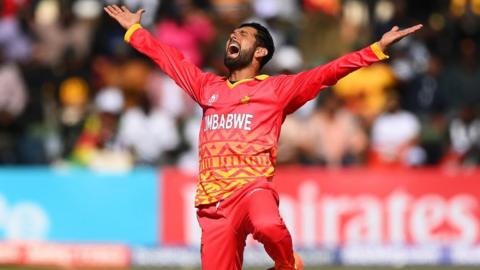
(260, 52)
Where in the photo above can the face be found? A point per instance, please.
(240, 48)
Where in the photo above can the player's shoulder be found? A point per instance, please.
(269, 79)
(279, 79)
(281, 76)
(210, 78)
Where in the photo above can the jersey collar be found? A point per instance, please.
(260, 77)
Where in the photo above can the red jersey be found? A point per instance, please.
(241, 121)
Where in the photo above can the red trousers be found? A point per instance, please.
(225, 226)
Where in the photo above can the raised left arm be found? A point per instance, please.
(295, 90)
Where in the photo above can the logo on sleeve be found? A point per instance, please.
(213, 98)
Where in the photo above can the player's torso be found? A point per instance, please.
(239, 130)
(246, 112)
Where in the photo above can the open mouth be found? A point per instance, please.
(233, 49)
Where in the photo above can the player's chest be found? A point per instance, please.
(247, 97)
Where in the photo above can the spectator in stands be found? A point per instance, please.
(186, 28)
(98, 146)
(231, 12)
(13, 98)
(394, 137)
(59, 30)
(333, 136)
(434, 137)
(74, 93)
(365, 91)
(166, 96)
(148, 132)
(463, 79)
(425, 94)
(465, 137)
(289, 143)
(15, 42)
(283, 9)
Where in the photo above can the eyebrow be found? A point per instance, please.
(241, 31)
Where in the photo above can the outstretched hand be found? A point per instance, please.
(123, 16)
(395, 34)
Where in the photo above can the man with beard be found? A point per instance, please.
(242, 116)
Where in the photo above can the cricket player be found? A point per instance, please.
(242, 116)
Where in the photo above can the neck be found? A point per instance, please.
(242, 74)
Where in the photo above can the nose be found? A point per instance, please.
(233, 36)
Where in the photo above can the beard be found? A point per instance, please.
(243, 59)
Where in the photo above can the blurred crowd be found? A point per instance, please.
(73, 92)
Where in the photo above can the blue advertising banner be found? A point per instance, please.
(76, 205)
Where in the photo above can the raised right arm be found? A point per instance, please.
(188, 76)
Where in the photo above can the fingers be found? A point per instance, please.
(414, 28)
(114, 10)
(395, 28)
(110, 11)
(411, 30)
(117, 9)
(406, 31)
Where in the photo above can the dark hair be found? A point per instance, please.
(263, 39)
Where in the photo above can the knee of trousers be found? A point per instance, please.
(271, 232)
